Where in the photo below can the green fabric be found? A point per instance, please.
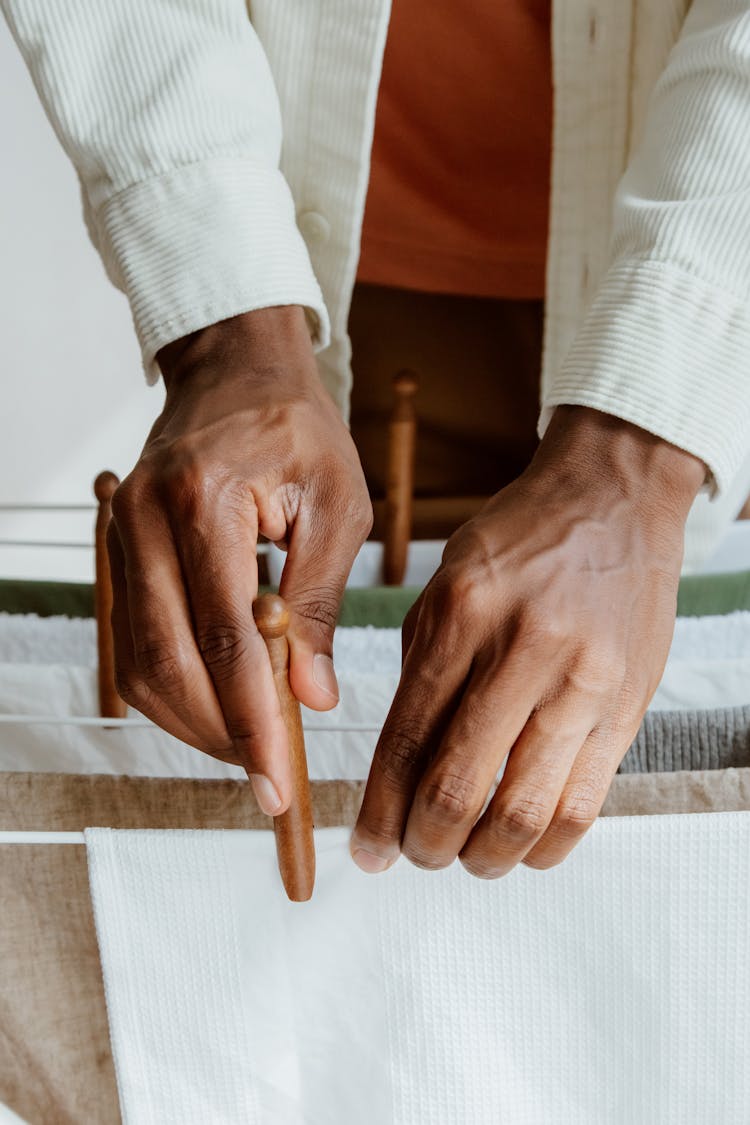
(701, 595)
(383, 606)
(48, 599)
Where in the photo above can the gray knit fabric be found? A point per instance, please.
(690, 740)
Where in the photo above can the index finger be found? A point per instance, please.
(432, 681)
(219, 559)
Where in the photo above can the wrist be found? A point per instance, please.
(262, 342)
(588, 449)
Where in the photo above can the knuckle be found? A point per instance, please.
(367, 520)
(540, 630)
(161, 664)
(520, 818)
(425, 860)
(360, 517)
(550, 726)
(596, 673)
(382, 832)
(222, 646)
(131, 689)
(461, 595)
(479, 866)
(128, 499)
(449, 613)
(185, 486)
(397, 755)
(246, 740)
(542, 860)
(451, 798)
(575, 814)
(320, 606)
(346, 496)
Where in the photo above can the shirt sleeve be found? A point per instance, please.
(665, 343)
(170, 116)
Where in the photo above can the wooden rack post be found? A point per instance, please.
(110, 704)
(399, 497)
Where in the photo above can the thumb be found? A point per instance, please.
(312, 585)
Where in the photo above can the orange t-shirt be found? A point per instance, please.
(459, 185)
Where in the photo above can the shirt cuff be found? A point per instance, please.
(205, 242)
(664, 350)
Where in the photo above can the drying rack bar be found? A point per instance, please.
(42, 838)
(111, 723)
(18, 507)
(56, 544)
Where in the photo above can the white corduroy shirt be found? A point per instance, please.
(203, 207)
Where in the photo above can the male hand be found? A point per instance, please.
(541, 638)
(248, 443)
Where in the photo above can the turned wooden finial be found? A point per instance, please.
(105, 485)
(405, 384)
(110, 703)
(271, 615)
(295, 844)
(399, 496)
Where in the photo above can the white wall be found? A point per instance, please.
(73, 399)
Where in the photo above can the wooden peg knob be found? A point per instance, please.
(271, 615)
(110, 703)
(399, 496)
(105, 485)
(405, 384)
(295, 843)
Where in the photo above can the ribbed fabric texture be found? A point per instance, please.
(690, 740)
(208, 1079)
(326, 58)
(597, 993)
(614, 988)
(170, 116)
(666, 340)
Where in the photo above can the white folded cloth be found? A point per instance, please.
(708, 667)
(612, 990)
(29, 639)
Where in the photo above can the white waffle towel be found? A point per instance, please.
(612, 990)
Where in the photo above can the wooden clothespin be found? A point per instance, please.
(295, 844)
(110, 703)
(399, 496)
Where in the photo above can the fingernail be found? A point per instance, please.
(324, 675)
(265, 794)
(369, 862)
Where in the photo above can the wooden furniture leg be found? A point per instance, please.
(110, 704)
(295, 844)
(402, 443)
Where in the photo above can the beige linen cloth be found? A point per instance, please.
(55, 1060)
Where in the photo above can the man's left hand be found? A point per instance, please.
(541, 639)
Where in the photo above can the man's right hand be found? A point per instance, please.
(248, 443)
